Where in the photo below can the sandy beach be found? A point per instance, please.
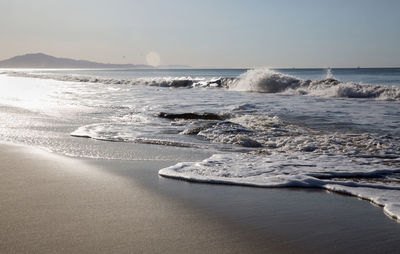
(53, 204)
(56, 204)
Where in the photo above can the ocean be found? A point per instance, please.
(334, 129)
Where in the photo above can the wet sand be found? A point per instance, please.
(54, 204)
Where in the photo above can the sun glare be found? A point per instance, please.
(153, 58)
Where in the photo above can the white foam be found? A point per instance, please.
(327, 88)
(128, 132)
(296, 170)
(104, 131)
(183, 82)
(268, 81)
(256, 80)
(273, 134)
(264, 80)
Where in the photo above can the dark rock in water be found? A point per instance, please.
(216, 83)
(181, 83)
(204, 116)
(308, 148)
(225, 82)
(248, 142)
(196, 130)
(193, 131)
(80, 136)
(330, 81)
(227, 127)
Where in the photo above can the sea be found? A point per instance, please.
(333, 129)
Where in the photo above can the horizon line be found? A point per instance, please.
(193, 67)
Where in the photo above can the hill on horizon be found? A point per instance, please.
(41, 60)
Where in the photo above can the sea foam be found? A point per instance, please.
(261, 80)
(366, 178)
(268, 81)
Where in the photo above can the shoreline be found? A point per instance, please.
(53, 203)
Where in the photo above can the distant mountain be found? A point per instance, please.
(174, 66)
(40, 60)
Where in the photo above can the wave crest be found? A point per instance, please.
(264, 80)
(255, 80)
(268, 81)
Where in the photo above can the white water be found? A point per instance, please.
(256, 80)
(355, 176)
(268, 81)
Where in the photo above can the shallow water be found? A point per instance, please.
(334, 129)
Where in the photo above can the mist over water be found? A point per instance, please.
(337, 129)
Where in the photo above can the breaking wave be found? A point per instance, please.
(264, 80)
(176, 82)
(254, 80)
(268, 81)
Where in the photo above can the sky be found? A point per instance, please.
(206, 33)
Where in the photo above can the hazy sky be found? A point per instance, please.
(206, 33)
